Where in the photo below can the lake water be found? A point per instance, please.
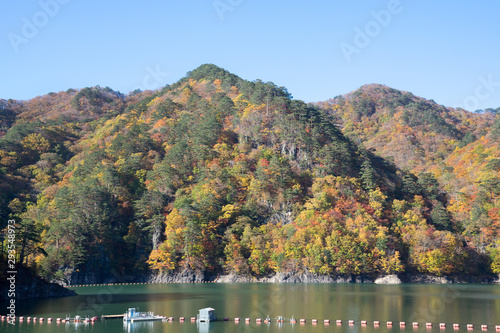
(463, 304)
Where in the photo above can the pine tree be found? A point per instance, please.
(367, 175)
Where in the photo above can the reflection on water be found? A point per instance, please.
(77, 327)
(138, 327)
(205, 327)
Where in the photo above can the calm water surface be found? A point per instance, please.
(463, 304)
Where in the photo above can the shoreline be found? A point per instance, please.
(192, 277)
(305, 279)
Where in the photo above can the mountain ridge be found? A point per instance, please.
(217, 174)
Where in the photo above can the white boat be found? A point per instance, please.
(134, 316)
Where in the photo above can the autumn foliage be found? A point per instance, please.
(218, 174)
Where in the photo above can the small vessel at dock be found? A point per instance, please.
(133, 315)
(79, 319)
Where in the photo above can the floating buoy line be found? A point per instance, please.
(280, 320)
(132, 283)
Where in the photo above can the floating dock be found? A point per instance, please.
(133, 315)
(118, 316)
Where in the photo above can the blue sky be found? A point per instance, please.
(447, 50)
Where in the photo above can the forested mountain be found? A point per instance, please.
(460, 149)
(217, 174)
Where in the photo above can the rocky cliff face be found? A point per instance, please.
(186, 276)
(316, 278)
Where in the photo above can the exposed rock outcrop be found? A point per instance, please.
(389, 279)
(233, 278)
(315, 278)
(429, 279)
(186, 276)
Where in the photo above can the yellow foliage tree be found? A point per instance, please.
(161, 259)
(36, 142)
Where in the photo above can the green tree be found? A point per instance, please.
(150, 209)
(368, 175)
(429, 184)
(409, 185)
(495, 129)
(440, 216)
